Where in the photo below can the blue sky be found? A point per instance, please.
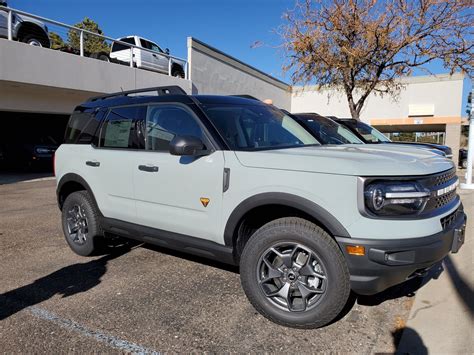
(232, 26)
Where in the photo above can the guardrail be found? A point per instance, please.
(134, 50)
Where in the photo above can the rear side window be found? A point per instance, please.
(81, 127)
(124, 128)
(120, 47)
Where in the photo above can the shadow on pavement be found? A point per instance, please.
(67, 281)
(464, 291)
(14, 177)
(408, 341)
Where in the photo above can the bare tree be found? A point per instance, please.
(363, 46)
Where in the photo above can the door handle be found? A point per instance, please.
(154, 55)
(148, 168)
(93, 163)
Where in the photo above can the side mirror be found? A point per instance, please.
(187, 145)
(167, 51)
(3, 3)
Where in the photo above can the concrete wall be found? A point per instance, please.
(443, 93)
(37, 79)
(214, 72)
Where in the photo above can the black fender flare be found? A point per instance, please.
(279, 198)
(72, 177)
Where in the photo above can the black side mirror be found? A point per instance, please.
(167, 51)
(187, 145)
(3, 3)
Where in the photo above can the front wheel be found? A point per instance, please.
(294, 274)
(32, 40)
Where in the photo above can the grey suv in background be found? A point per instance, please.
(24, 28)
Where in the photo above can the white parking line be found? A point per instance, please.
(110, 340)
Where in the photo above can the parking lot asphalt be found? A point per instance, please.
(145, 299)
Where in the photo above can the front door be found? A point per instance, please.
(178, 194)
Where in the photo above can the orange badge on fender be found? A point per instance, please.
(204, 201)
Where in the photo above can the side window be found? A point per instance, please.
(123, 128)
(121, 47)
(81, 127)
(145, 44)
(164, 122)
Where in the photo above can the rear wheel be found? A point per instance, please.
(294, 274)
(80, 222)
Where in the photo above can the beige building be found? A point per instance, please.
(424, 104)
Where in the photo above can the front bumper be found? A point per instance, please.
(389, 262)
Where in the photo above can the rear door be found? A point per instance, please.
(178, 194)
(147, 57)
(110, 165)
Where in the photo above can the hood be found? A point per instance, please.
(349, 159)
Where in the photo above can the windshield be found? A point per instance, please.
(369, 133)
(257, 127)
(327, 131)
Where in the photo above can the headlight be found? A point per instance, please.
(395, 198)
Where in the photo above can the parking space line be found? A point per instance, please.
(110, 340)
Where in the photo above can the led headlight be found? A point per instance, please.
(395, 198)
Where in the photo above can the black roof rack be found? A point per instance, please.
(160, 91)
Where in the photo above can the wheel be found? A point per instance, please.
(294, 274)
(177, 72)
(101, 56)
(81, 223)
(32, 40)
(464, 164)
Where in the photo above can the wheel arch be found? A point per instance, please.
(26, 28)
(282, 203)
(70, 183)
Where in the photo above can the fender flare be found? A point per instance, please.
(72, 177)
(278, 198)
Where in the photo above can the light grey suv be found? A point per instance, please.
(236, 180)
(24, 28)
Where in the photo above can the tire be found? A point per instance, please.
(101, 56)
(326, 294)
(177, 72)
(32, 40)
(86, 240)
(464, 164)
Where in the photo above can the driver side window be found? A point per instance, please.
(164, 122)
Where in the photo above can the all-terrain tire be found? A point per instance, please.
(94, 234)
(307, 234)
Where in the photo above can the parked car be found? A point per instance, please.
(33, 153)
(369, 134)
(325, 130)
(154, 58)
(240, 181)
(24, 28)
(463, 158)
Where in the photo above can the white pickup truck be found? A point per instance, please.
(151, 57)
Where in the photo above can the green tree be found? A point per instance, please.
(92, 44)
(56, 40)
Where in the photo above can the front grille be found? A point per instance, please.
(443, 178)
(450, 218)
(438, 182)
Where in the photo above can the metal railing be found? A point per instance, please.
(132, 48)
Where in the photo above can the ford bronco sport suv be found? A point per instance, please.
(239, 181)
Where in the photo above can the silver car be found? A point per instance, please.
(24, 28)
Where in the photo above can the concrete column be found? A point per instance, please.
(453, 139)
